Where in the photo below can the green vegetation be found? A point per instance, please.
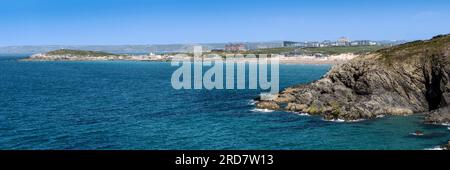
(308, 51)
(316, 50)
(342, 50)
(80, 53)
(336, 109)
(280, 50)
(437, 46)
(313, 109)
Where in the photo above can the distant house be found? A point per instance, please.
(344, 41)
(361, 43)
(290, 44)
(313, 44)
(235, 47)
(341, 42)
(217, 50)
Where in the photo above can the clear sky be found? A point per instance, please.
(109, 22)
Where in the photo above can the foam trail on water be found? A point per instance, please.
(252, 102)
(343, 121)
(445, 124)
(303, 114)
(437, 148)
(380, 116)
(262, 110)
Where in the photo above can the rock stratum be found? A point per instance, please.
(400, 80)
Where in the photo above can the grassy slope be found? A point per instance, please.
(439, 45)
(79, 53)
(322, 50)
(342, 50)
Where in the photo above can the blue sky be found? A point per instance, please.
(110, 22)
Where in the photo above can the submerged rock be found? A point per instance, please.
(401, 80)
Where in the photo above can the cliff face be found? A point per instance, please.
(401, 80)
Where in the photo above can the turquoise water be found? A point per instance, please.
(131, 105)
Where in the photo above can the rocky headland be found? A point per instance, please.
(80, 55)
(401, 80)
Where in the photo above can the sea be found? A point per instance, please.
(125, 105)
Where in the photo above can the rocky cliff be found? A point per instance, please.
(401, 80)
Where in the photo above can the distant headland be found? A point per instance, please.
(290, 55)
(80, 55)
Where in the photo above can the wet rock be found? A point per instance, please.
(439, 116)
(271, 105)
(295, 107)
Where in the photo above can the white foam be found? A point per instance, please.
(343, 121)
(415, 134)
(335, 120)
(380, 116)
(437, 148)
(262, 110)
(299, 113)
(357, 120)
(303, 114)
(442, 124)
(252, 102)
(445, 124)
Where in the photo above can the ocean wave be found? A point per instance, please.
(445, 124)
(262, 110)
(441, 124)
(437, 148)
(334, 120)
(380, 116)
(252, 102)
(299, 113)
(303, 114)
(343, 121)
(416, 134)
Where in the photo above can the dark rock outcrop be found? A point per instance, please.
(401, 80)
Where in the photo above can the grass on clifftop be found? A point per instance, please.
(308, 51)
(343, 50)
(321, 50)
(438, 45)
(80, 53)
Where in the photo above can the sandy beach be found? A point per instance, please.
(333, 59)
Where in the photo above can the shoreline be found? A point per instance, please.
(290, 60)
(75, 55)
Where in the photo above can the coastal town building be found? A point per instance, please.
(344, 41)
(341, 42)
(292, 44)
(363, 43)
(235, 47)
